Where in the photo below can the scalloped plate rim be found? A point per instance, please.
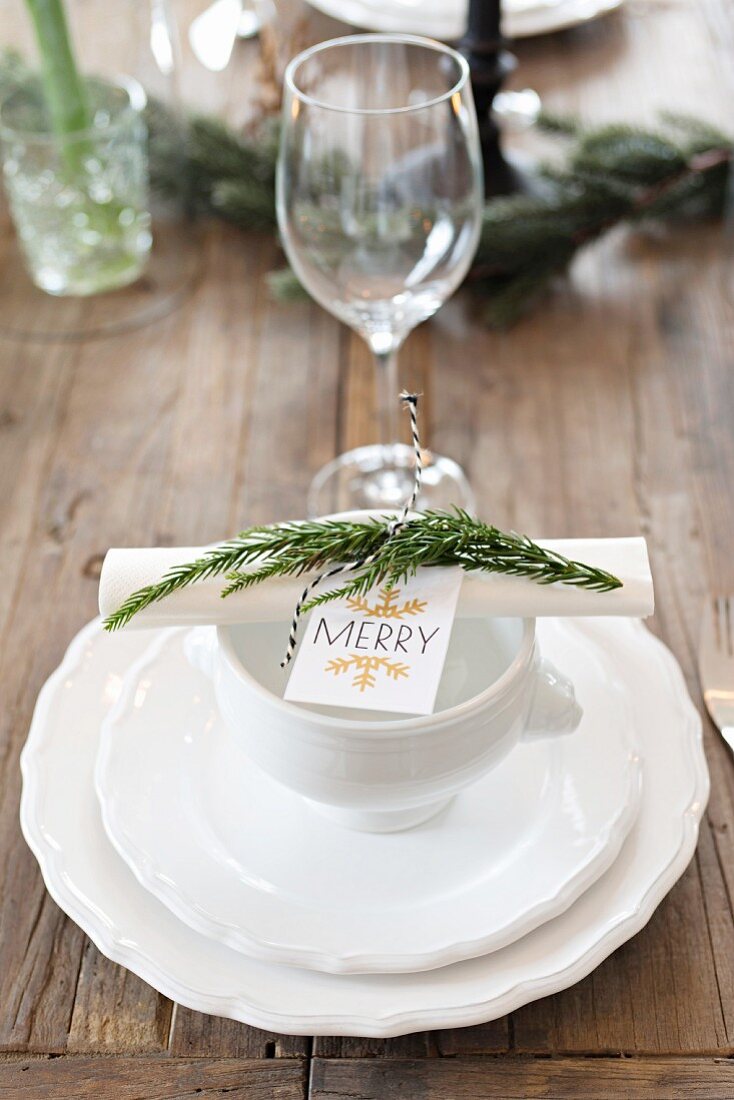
(388, 1024)
(157, 882)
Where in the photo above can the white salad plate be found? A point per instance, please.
(61, 821)
(446, 19)
(244, 860)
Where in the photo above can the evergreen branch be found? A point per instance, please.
(610, 175)
(433, 538)
(285, 285)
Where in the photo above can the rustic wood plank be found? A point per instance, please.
(491, 1038)
(34, 387)
(113, 495)
(417, 1045)
(705, 337)
(292, 412)
(216, 362)
(194, 1035)
(521, 1078)
(82, 487)
(495, 1037)
(79, 1078)
(630, 66)
(41, 952)
(642, 999)
(115, 1011)
(33, 384)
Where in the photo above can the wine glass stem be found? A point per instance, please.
(388, 405)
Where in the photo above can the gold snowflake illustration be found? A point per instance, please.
(388, 607)
(365, 668)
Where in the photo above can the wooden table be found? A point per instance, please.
(610, 411)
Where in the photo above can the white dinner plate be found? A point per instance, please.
(87, 878)
(244, 860)
(446, 19)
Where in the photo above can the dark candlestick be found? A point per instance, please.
(484, 48)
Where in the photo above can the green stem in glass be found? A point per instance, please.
(64, 88)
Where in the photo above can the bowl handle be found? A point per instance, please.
(554, 708)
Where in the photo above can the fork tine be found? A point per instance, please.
(716, 663)
(711, 624)
(716, 643)
(718, 620)
(723, 626)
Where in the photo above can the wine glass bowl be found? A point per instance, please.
(379, 198)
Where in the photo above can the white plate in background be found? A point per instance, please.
(446, 19)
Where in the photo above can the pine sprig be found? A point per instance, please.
(431, 539)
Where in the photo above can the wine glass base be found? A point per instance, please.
(382, 477)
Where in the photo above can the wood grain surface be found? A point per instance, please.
(610, 411)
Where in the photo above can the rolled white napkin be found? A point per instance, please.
(124, 571)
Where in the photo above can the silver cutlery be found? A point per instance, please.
(212, 34)
(716, 664)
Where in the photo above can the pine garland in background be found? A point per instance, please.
(609, 175)
(228, 176)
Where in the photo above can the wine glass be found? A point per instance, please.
(379, 198)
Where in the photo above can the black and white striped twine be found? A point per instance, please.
(410, 401)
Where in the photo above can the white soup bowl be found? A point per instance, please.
(383, 772)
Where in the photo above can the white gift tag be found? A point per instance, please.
(382, 651)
